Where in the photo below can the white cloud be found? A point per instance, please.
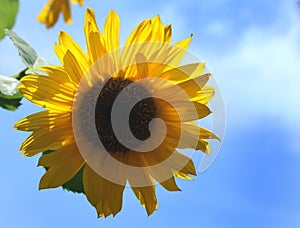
(261, 74)
(260, 77)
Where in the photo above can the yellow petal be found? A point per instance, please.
(192, 89)
(194, 85)
(190, 137)
(111, 35)
(202, 132)
(147, 197)
(104, 195)
(158, 30)
(57, 91)
(141, 33)
(66, 10)
(177, 52)
(170, 185)
(95, 41)
(162, 173)
(60, 76)
(183, 176)
(148, 30)
(43, 120)
(72, 67)
(184, 73)
(112, 198)
(177, 161)
(189, 168)
(78, 1)
(90, 16)
(63, 164)
(44, 139)
(141, 67)
(182, 111)
(50, 12)
(60, 52)
(168, 34)
(111, 31)
(134, 44)
(92, 186)
(155, 43)
(66, 40)
(205, 95)
(181, 163)
(204, 146)
(46, 93)
(162, 164)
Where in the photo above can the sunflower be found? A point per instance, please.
(118, 116)
(50, 12)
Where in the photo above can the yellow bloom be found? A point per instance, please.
(87, 124)
(50, 12)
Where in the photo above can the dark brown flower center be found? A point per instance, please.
(139, 118)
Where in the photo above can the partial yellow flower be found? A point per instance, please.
(50, 12)
(87, 125)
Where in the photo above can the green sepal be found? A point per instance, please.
(76, 183)
(20, 75)
(8, 12)
(10, 102)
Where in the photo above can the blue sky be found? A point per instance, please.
(253, 50)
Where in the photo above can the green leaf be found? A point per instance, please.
(27, 53)
(10, 102)
(8, 12)
(76, 183)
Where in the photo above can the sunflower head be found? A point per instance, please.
(118, 116)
